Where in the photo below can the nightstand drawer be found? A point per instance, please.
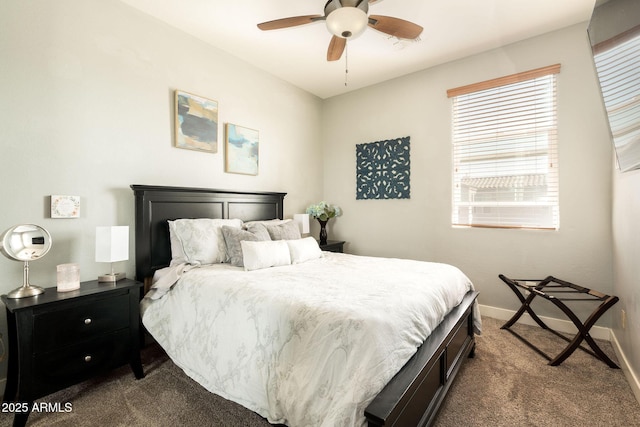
(58, 328)
(79, 362)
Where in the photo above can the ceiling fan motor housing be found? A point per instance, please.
(347, 18)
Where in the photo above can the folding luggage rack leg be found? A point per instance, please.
(544, 288)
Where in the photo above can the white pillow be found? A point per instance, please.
(264, 254)
(199, 241)
(302, 250)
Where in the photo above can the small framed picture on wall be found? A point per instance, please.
(65, 206)
(241, 150)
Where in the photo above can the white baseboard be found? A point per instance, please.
(567, 326)
(559, 325)
(632, 378)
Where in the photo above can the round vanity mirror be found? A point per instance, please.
(25, 242)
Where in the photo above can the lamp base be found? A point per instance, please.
(113, 277)
(25, 291)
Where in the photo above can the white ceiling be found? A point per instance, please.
(452, 29)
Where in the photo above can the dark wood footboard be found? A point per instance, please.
(414, 395)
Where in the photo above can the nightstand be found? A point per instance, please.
(333, 246)
(58, 339)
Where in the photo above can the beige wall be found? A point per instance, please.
(626, 268)
(610, 19)
(419, 228)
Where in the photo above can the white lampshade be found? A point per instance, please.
(303, 222)
(112, 243)
(347, 22)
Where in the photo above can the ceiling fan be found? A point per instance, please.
(346, 20)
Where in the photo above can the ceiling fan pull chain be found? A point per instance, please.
(346, 63)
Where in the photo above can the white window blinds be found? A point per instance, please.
(618, 65)
(505, 162)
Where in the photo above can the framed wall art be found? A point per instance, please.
(196, 122)
(65, 206)
(241, 150)
(383, 169)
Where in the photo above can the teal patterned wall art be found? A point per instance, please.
(383, 169)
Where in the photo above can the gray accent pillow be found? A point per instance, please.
(233, 237)
(285, 231)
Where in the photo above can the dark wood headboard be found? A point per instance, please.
(154, 205)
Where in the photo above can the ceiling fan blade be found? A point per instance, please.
(336, 47)
(292, 21)
(395, 26)
(374, 1)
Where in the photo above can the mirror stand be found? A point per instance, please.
(25, 242)
(26, 290)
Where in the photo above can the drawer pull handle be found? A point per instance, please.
(87, 321)
(87, 358)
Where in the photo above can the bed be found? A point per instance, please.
(414, 382)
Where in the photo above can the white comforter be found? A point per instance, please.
(308, 344)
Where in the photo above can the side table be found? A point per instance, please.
(58, 339)
(333, 246)
(545, 288)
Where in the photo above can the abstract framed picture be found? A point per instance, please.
(241, 150)
(196, 122)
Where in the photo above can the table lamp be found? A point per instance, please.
(112, 245)
(303, 222)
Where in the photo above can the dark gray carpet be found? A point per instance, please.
(507, 384)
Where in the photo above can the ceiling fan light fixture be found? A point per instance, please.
(347, 22)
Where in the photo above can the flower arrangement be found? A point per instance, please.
(323, 211)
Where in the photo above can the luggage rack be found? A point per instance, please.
(571, 292)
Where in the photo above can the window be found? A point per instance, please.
(505, 161)
(618, 65)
